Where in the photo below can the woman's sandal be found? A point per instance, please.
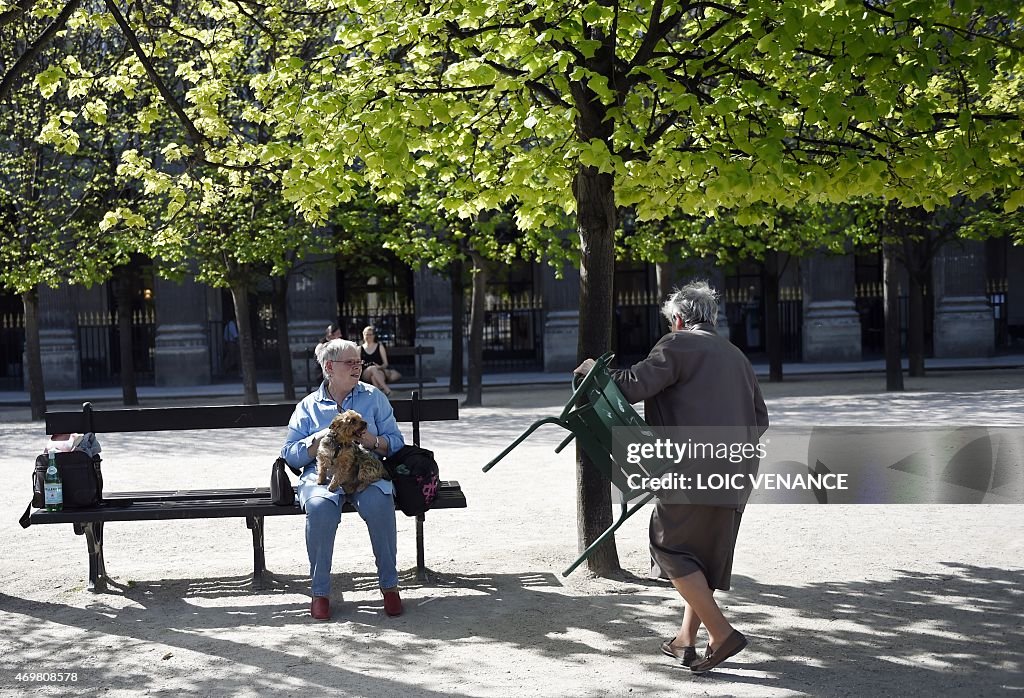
(686, 655)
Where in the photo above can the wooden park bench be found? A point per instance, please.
(250, 503)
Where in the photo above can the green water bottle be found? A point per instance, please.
(53, 488)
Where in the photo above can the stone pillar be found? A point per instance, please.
(312, 306)
(58, 338)
(963, 317)
(182, 352)
(561, 319)
(831, 325)
(434, 320)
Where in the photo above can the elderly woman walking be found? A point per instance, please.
(695, 378)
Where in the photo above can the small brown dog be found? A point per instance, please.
(341, 459)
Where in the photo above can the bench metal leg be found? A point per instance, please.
(97, 567)
(259, 561)
(422, 573)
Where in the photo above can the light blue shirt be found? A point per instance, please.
(315, 413)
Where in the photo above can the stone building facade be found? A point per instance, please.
(829, 307)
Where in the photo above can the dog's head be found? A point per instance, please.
(348, 426)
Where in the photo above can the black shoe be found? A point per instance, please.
(733, 644)
(686, 655)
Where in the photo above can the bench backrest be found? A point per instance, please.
(410, 351)
(104, 421)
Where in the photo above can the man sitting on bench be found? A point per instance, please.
(341, 390)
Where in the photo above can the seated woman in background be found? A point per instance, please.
(375, 360)
(333, 331)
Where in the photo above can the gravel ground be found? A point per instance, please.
(836, 600)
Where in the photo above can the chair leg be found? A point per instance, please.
(565, 442)
(626, 513)
(532, 428)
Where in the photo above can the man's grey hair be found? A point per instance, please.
(330, 351)
(695, 302)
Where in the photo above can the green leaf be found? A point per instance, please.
(1014, 201)
(49, 80)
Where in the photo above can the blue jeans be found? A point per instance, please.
(323, 515)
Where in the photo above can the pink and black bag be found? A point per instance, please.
(414, 474)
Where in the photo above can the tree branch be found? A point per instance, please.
(20, 8)
(165, 92)
(19, 67)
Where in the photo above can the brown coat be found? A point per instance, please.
(693, 380)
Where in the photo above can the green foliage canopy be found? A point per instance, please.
(705, 106)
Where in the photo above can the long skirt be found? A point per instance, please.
(686, 538)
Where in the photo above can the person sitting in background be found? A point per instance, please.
(375, 359)
(333, 331)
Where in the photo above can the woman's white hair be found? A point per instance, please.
(694, 303)
(330, 351)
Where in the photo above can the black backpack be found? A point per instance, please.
(414, 473)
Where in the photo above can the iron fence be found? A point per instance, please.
(395, 326)
(870, 302)
(637, 325)
(996, 292)
(99, 348)
(745, 313)
(12, 344)
(513, 333)
(791, 322)
(225, 361)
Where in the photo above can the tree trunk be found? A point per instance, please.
(772, 335)
(284, 350)
(125, 286)
(595, 203)
(33, 357)
(893, 369)
(455, 379)
(596, 223)
(246, 350)
(915, 326)
(474, 391)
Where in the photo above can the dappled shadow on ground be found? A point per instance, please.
(949, 632)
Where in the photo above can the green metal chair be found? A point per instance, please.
(594, 410)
